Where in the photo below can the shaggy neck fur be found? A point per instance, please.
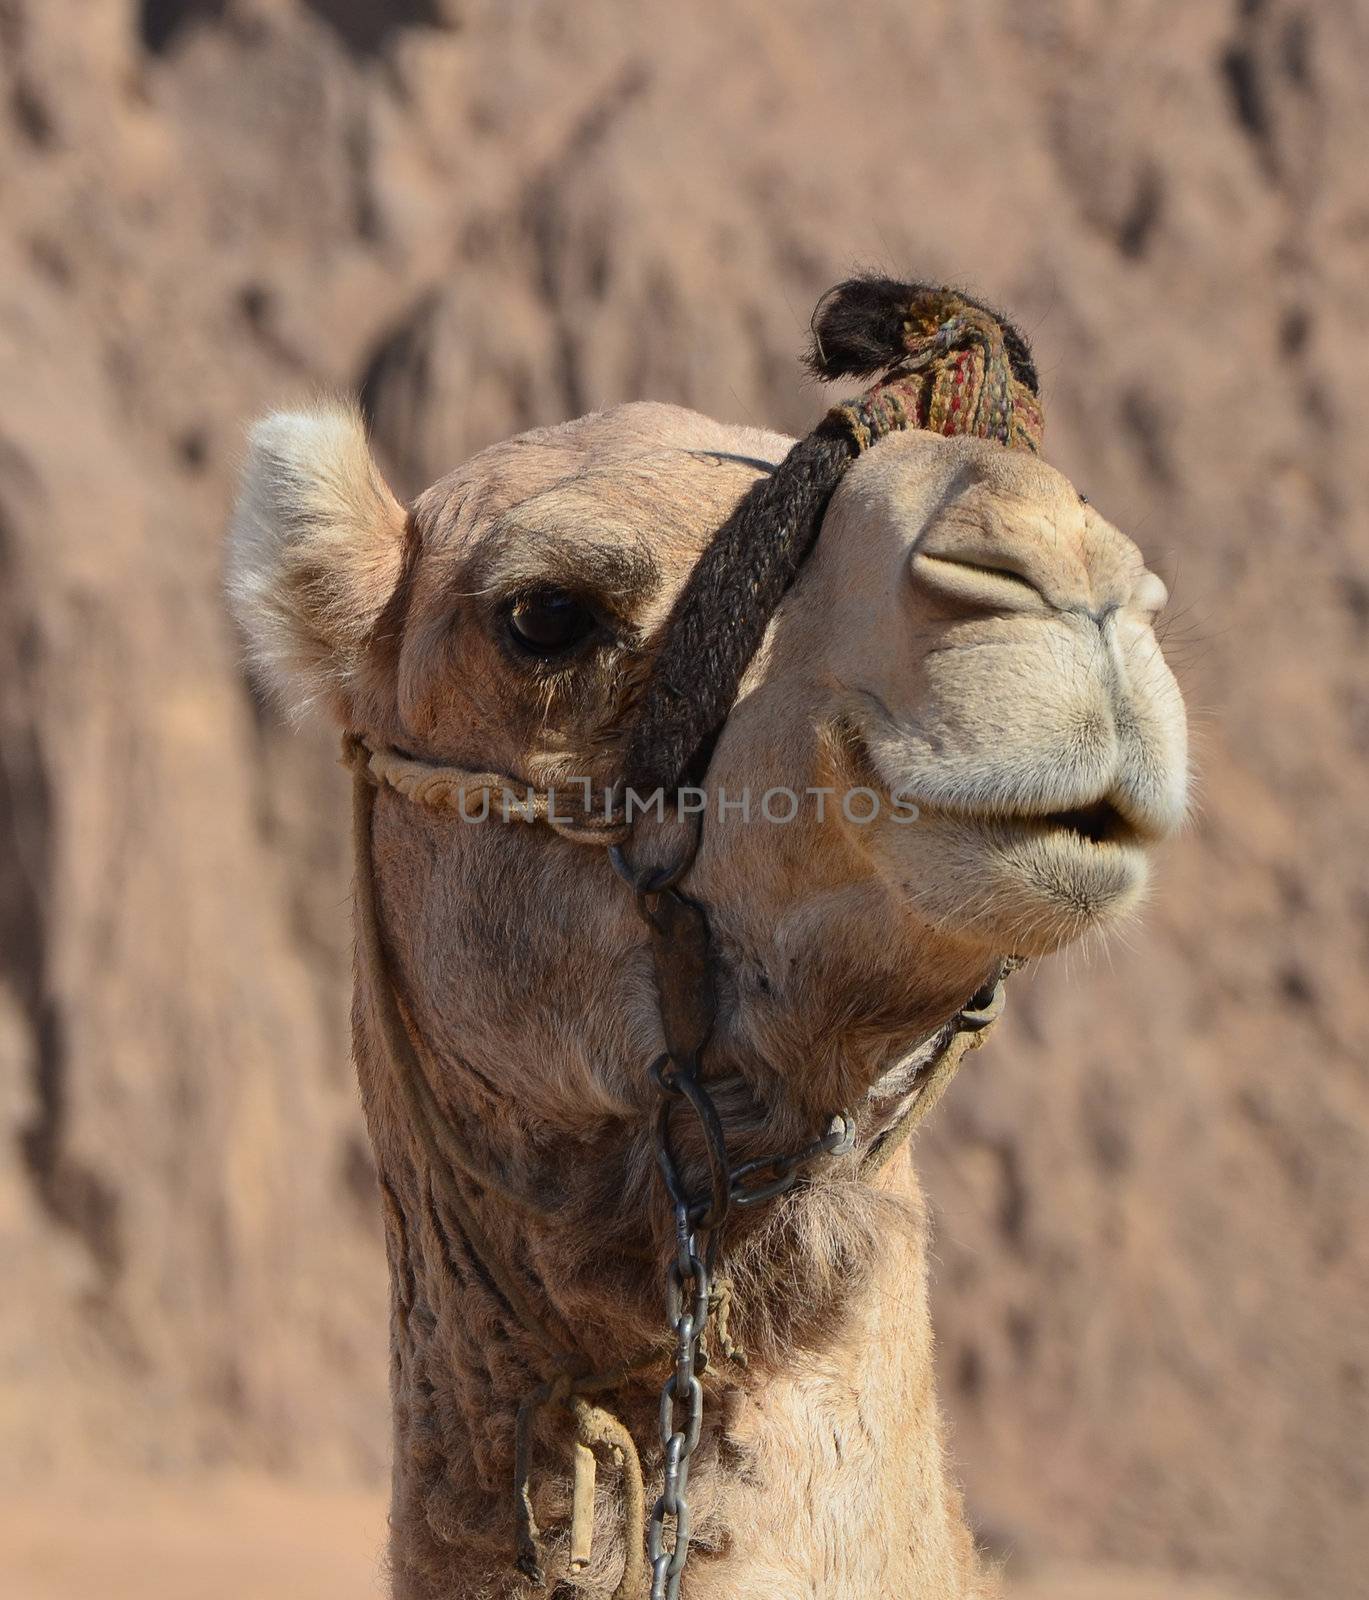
(825, 1446)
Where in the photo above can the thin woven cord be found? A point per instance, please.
(443, 787)
(938, 1080)
(424, 1113)
(597, 1427)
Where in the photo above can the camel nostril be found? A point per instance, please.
(975, 582)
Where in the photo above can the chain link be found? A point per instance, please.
(688, 1283)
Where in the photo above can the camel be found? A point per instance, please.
(969, 649)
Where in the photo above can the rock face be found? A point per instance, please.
(1153, 1290)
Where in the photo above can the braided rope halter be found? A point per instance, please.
(948, 365)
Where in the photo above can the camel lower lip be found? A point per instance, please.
(1026, 882)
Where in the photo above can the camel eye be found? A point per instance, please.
(549, 623)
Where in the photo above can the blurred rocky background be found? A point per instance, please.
(1152, 1274)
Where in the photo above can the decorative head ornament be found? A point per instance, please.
(950, 364)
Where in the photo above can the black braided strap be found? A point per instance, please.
(725, 607)
(951, 365)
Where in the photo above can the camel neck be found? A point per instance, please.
(823, 1453)
(507, 1283)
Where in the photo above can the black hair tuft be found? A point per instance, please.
(858, 329)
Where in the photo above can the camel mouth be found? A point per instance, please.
(1099, 823)
(1096, 830)
(1035, 879)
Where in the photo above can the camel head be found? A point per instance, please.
(937, 732)
(958, 741)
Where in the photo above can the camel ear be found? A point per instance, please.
(315, 549)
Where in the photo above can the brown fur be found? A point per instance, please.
(967, 632)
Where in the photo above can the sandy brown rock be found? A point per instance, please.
(1152, 1294)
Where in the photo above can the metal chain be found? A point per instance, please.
(787, 1170)
(690, 1275)
(682, 1409)
(689, 1281)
